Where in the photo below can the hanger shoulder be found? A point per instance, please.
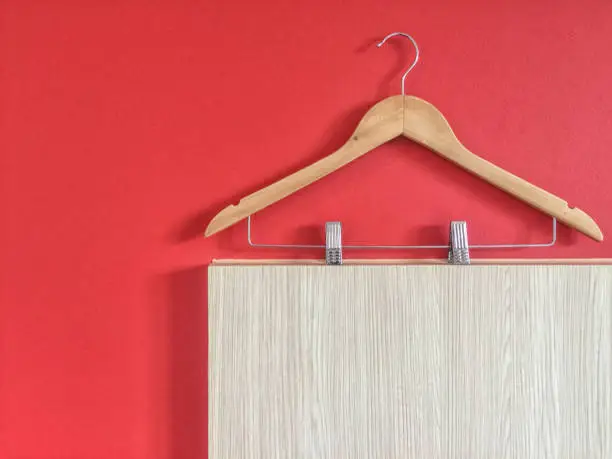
(380, 124)
(424, 124)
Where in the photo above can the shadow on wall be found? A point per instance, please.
(183, 298)
(334, 137)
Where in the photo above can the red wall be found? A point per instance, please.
(125, 126)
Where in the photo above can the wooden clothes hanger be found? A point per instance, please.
(418, 120)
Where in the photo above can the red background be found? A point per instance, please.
(125, 126)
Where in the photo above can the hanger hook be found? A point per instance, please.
(416, 57)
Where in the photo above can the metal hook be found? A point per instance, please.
(416, 57)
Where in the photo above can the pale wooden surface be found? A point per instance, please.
(423, 123)
(414, 261)
(410, 362)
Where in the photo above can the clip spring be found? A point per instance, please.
(459, 251)
(333, 243)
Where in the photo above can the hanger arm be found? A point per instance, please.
(530, 194)
(424, 124)
(381, 123)
(273, 193)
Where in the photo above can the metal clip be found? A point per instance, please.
(333, 243)
(459, 251)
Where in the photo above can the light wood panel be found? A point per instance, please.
(415, 261)
(410, 362)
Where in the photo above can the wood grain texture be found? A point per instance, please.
(410, 362)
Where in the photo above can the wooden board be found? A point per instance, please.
(415, 261)
(410, 362)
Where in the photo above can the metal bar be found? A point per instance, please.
(401, 247)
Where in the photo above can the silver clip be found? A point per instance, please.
(333, 243)
(459, 251)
